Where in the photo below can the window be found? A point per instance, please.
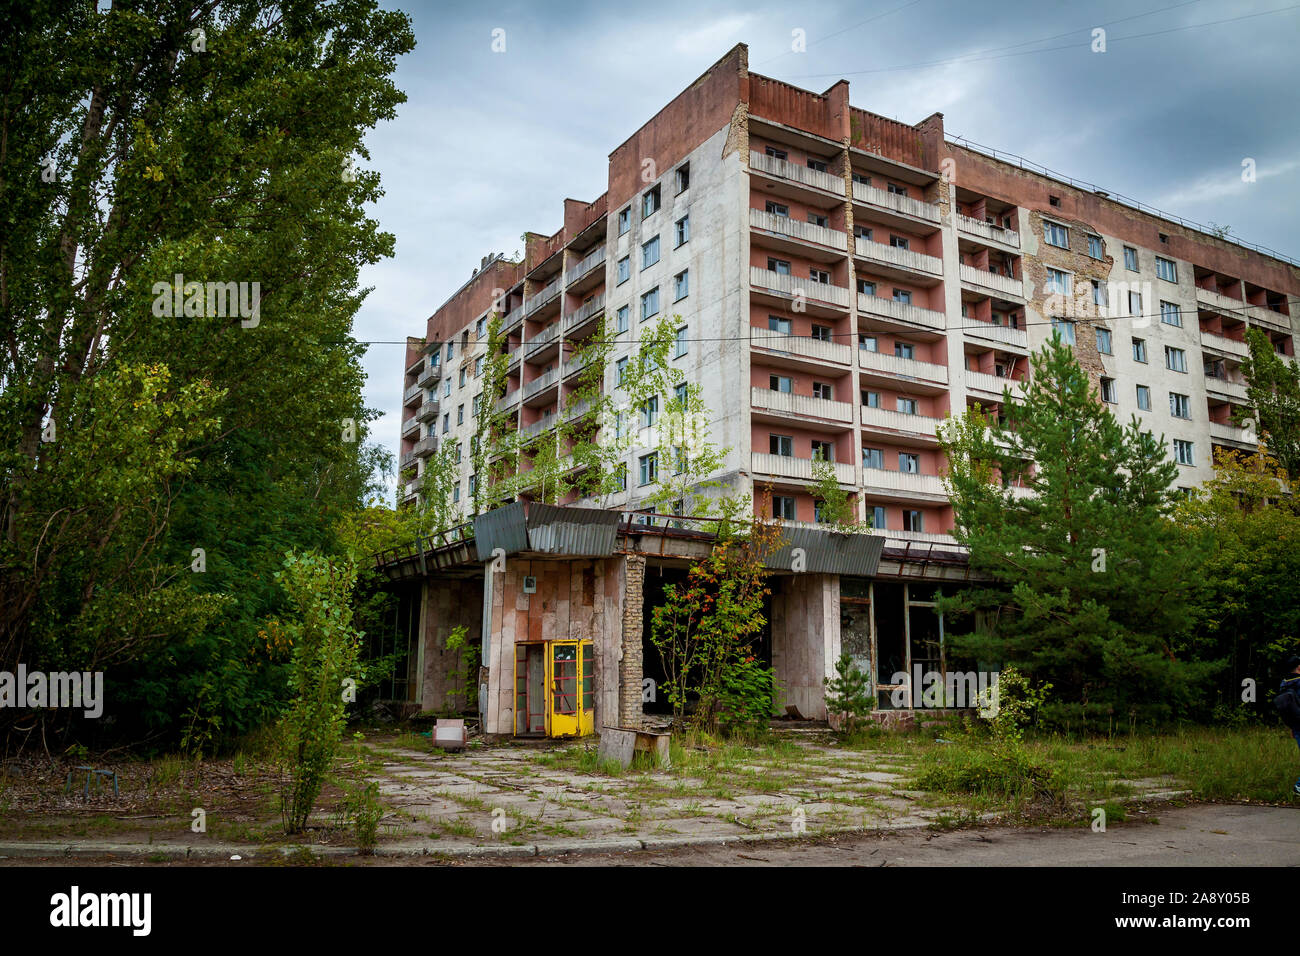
(1140, 350)
(903, 296)
(870, 399)
(649, 252)
(446, 388)
(451, 351)
(819, 276)
(783, 507)
(624, 270)
(862, 232)
(480, 328)
(780, 266)
(819, 511)
(868, 343)
(1054, 201)
(1170, 314)
(620, 371)
(860, 179)
(455, 492)
(1184, 452)
(473, 485)
(913, 520)
(778, 209)
(474, 406)
(897, 190)
(817, 219)
(822, 333)
(823, 450)
(1163, 237)
(1180, 406)
(1108, 390)
(866, 288)
(780, 383)
(1166, 269)
(817, 164)
(898, 242)
(458, 452)
(907, 406)
(620, 475)
(624, 220)
(909, 462)
(777, 324)
(682, 231)
(682, 393)
(1144, 398)
(679, 343)
(679, 459)
(904, 350)
(1095, 248)
(683, 177)
(463, 372)
(478, 367)
(649, 468)
(782, 445)
(650, 304)
(621, 319)
(1103, 342)
(777, 153)
(1130, 259)
(873, 458)
(650, 203)
(1099, 294)
(460, 415)
(681, 285)
(1065, 329)
(1059, 282)
(824, 390)
(650, 411)
(1175, 359)
(1056, 234)
(446, 423)
(878, 517)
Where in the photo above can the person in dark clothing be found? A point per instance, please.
(1287, 702)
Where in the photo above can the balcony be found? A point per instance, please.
(543, 296)
(874, 196)
(1003, 335)
(785, 226)
(1218, 302)
(410, 427)
(908, 368)
(906, 482)
(584, 314)
(508, 401)
(406, 461)
(790, 286)
(512, 319)
(1222, 388)
(541, 383)
(901, 311)
(414, 485)
(573, 364)
(411, 394)
(1233, 434)
(426, 446)
(786, 466)
(795, 173)
(990, 282)
(987, 231)
(427, 412)
(577, 409)
(801, 345)
(932, 537)
(585, 267)
(430, 376)
(883, 418)
(1223, 345)
(993, 384)
(893, 256)
(415, 366)
(540, 341)
(803, 406)
(529, 432)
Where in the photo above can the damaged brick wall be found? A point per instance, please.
(448, 604)
(631, 665)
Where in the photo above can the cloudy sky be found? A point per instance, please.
(489, 143)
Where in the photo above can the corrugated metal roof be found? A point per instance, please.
(829, 552)
(580, 532)
(504, 528)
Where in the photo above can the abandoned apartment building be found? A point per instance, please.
(840, 282)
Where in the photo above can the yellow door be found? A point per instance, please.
(570, 688)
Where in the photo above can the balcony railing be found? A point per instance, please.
(426, 446)
(932, 537)
(411, 393)
(430, 376)
(577, 409)
(875, 196)
(512, 319)
(994, 384)
(415, 484)
(899, 421)
(543, 295)
(892, 255)
(509, 400)
(903, 311)
(801, 345)
(536, 428)
(428, 411)
(896, 365)
(543, 338)
(407, 460)
(1002, 285)
(786, 466)
(585, 265)
(1235, 433)
(986, 230)
(1221, 386)
(804, 406)
(786, 226)
(541, 383)
(906, 481)
(1219, 302)
(580, 315)
(1001, 334)
(792, 286)
(800, 174)
(410, 428)
(1224, 344)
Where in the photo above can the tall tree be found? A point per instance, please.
(1273, 388)
(1088, 582)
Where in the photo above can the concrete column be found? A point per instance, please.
(806, 639)
(630, 669)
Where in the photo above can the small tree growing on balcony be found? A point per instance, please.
(1274, 390)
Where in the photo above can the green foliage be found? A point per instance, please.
(746, 698)
(1014, 703)
(1273, 388)
(850, 695)
(1092, 581)
(464, 675)
(326, 649)
(365, 811)
(838, 508)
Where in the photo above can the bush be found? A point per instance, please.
(849, 694)
(746, 698)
